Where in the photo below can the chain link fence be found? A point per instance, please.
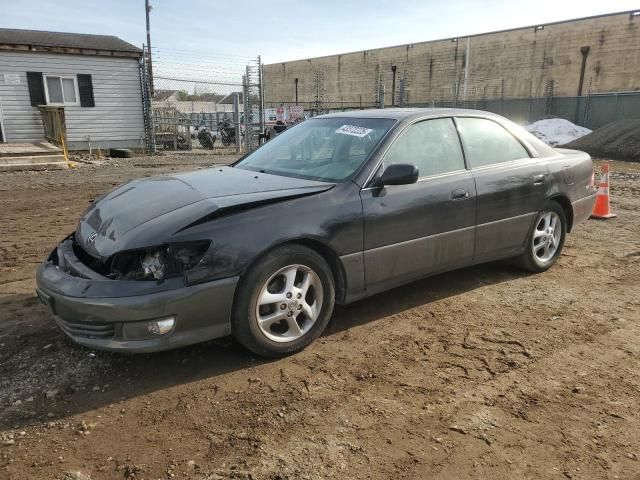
(215, 103)
(197, 102)
(592, 110)
(440, 80)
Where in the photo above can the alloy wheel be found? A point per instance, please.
(546, 237)
(289, 303)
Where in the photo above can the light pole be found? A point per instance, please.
(147, 11)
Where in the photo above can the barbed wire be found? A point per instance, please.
(203, 67)
(207, 82)
(202, 54)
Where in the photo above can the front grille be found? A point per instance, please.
(88, 330)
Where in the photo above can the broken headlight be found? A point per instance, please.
(157, 263)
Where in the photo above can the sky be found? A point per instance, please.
(188, 32)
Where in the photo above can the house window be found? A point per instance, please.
(61, 90)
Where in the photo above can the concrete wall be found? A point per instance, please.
(516, 63)
(115, 121)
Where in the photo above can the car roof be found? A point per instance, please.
(407, 113)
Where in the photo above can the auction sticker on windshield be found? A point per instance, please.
(354, 130)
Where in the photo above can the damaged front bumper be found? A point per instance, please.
(106, 314)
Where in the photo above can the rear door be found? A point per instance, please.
(426, 227)
(511, 186)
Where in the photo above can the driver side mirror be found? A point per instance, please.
(399, 174)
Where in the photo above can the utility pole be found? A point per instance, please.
(147, 10)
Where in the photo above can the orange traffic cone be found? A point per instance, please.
(602, 208)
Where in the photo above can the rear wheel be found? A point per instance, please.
(284, 302)
(546, 239)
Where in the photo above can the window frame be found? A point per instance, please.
(532, 154)
(435, 175)
(74, 78)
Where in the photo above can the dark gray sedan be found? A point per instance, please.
(333, 210)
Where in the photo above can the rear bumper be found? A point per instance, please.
(582, 208)
(100, 313)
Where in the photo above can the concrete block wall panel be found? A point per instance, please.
(524, 59)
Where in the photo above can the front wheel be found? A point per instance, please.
(284, 302)
(546, 239)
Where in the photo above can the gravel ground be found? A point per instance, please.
(485, 372)
(619, 140)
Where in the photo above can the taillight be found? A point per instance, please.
(592, 182)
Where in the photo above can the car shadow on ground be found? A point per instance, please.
(36, 356)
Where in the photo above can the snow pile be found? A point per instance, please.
(557, 131)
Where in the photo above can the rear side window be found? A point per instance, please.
(486, 142)
(432, 145)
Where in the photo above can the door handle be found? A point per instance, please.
(460, 194)
(538, 180)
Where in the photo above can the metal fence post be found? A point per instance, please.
(236, 118)
(248, 121)
(576, 114)
(530, 101)
(261, 92)
(484, 97)
(585, 121)
(147, 107)
(455, 93)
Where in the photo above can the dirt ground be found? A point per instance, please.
(485, 372)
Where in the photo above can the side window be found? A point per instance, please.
(486, 142)
(61, 90)
(432, 145)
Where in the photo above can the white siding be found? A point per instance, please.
(116, 120)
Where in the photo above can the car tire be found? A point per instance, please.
(311, 293)
(120, 153)
(545, 239)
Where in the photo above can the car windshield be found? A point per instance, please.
(325, 149)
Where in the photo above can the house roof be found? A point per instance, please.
(162, 95)
(228, 99)
(62, 40)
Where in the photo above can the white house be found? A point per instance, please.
(95, 78)
(170, 99)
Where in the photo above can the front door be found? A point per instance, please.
(414, 230)
(511, 187)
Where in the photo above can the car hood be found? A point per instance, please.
(149, 211)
